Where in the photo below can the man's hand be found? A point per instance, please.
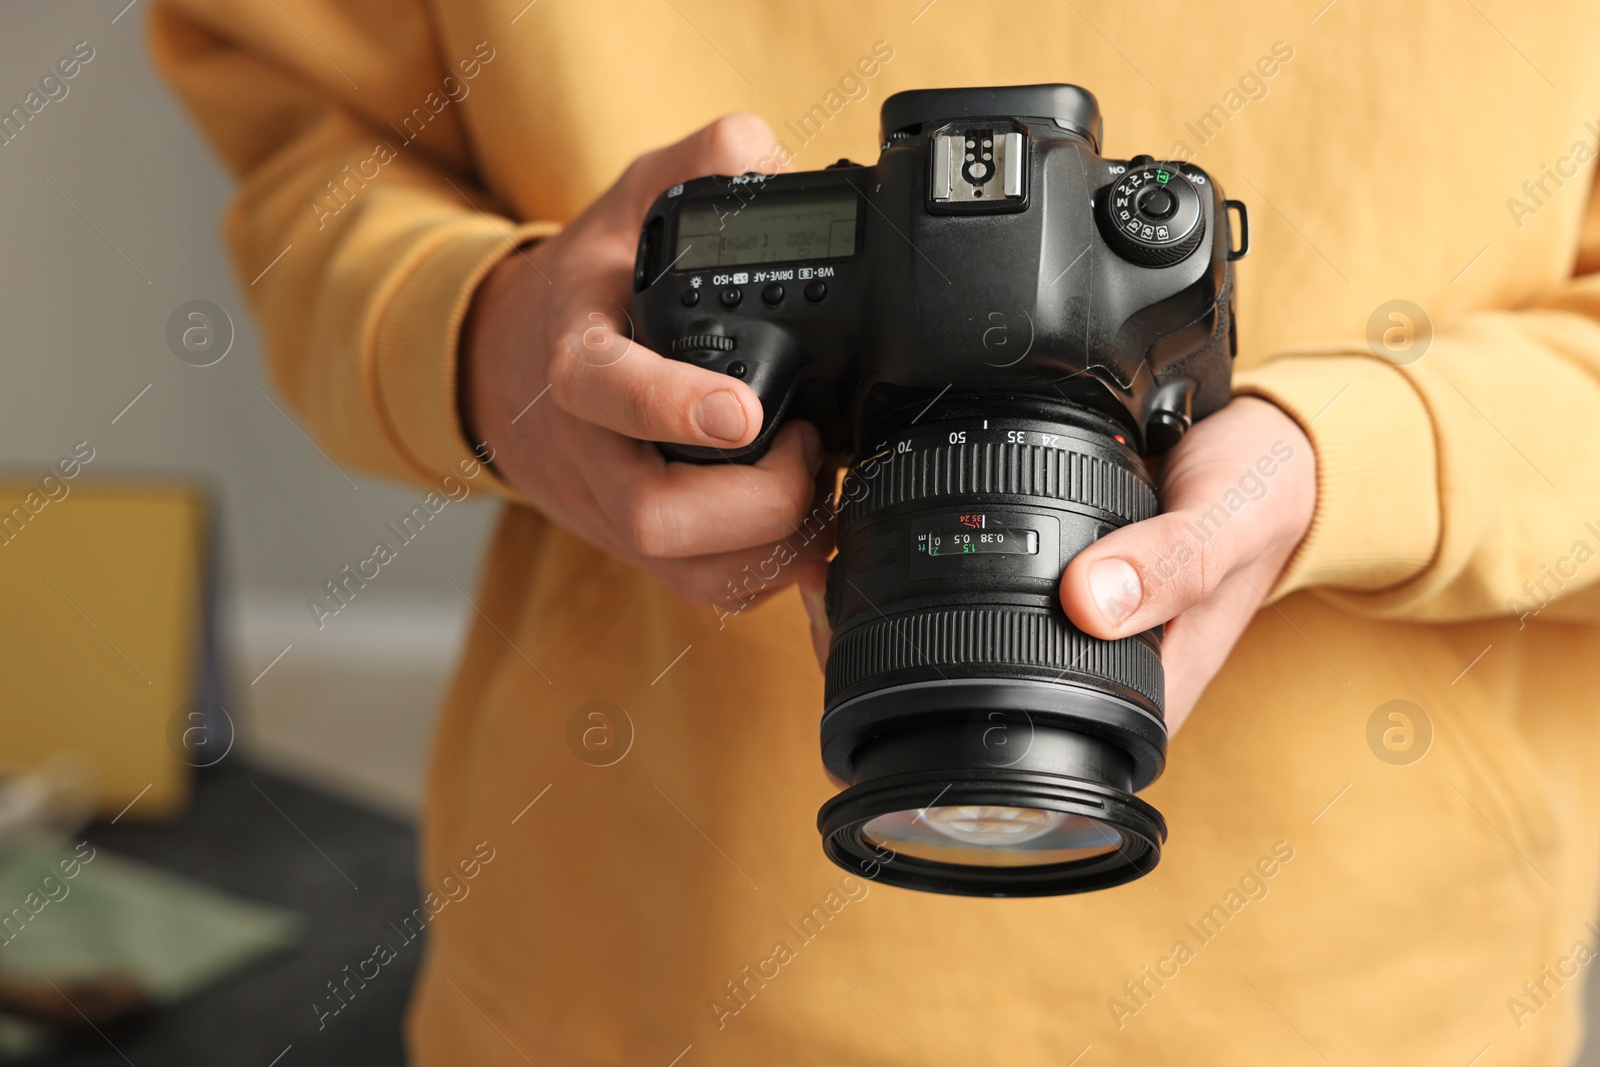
(553, 318)
(1237, 496)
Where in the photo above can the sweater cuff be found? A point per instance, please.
(415, 346)
(1377, 518)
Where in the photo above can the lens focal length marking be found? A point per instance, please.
(962, 462)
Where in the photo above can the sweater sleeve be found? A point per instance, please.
(358, 231)
(1464, 484)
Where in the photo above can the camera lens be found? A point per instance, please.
(993, 749)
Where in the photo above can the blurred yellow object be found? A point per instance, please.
(102, 637)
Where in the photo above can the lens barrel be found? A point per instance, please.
(993, 749)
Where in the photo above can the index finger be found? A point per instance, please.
(606, 379)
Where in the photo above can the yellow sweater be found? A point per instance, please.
(1315, 902)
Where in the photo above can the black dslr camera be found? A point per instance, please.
(996, 323)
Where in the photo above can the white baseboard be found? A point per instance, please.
(349, 707)
(406, 632)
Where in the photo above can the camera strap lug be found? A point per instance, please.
(1244, 229)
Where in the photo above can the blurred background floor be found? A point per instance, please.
(235, 839)
(335, 732)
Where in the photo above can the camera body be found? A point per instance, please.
(843, 294)
(997, 324)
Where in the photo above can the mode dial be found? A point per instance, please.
(1152, 215)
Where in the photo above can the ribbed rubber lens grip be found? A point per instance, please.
(994, 469)
(1010, 642)
(977, 616)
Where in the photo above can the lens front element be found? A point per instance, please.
(992, 835)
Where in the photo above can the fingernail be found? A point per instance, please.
(720, 415)
(1114, 584)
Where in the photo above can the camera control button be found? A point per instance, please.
(731, 297)
(772, 294)
(1156, 203)
(816, 291)
(736, 369)
(1153, 216)
(700, 345)
(691, 297)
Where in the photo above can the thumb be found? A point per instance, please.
(1141, 576)
(1219, 515)
(733, 144)
(1145, 574)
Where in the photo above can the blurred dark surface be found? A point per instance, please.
(235, 840)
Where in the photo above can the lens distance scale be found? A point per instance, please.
(976, 538)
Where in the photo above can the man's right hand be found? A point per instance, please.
(553, 317)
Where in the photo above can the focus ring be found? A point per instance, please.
(1024, 641)
(995, 468)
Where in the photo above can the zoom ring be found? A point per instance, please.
(993, 468)
(1019, 639)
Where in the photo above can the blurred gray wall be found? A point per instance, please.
(111, 204)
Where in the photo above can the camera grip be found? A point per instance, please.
(750, 453)
(766, 362)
